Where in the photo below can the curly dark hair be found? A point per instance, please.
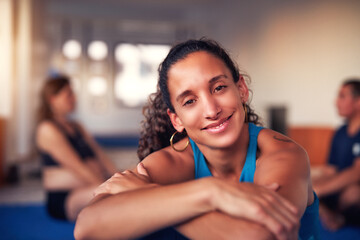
(156, 127)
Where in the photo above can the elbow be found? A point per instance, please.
(91, 225)
(84, 226)
(262, 233)
(250, 230)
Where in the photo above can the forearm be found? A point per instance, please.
(136, 213)
(106, 163)
(216, 225)
(87, 174)
(338, 182)
(322, 173)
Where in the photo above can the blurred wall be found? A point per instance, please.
(300, 55)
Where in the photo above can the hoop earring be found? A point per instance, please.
(172, 144)
(246, 113)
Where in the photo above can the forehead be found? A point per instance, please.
(346, 89)
(196, 66)
(65, 90)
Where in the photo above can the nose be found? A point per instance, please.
(212, 109)
(338, 102)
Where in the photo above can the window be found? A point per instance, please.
(136, 71)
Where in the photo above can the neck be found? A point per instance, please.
(60, 118)
(354, 124)
(228, 163)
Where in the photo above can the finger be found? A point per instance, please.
(273, 186)
(142, 170)
(265, 217)
(282, 205)
(98, 190)
(281, 214)
(126, 172)
(283, 201)
(278, 218)
(257, 211)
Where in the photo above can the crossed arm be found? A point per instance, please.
(51, 140)
(338, 181)
(207, 208)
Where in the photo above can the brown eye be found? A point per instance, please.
(188, 102)
(219, 88)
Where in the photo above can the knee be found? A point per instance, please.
(350, 196)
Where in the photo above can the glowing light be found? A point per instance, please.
(137, 76)
(127, 52)
(72, 49)
(97, 86)
(97, 50)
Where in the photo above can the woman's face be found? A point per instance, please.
(346, 102)
(207, 101)
(63, 102)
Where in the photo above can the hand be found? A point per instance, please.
(125, 181)
(259, 204)
(321, 173)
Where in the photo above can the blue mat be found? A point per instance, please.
(31, 222)
(345, 233)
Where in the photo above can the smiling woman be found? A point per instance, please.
(236, 181)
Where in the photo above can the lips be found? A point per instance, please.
(218, 126)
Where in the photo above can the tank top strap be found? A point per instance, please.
(77, 131)
(201, 167)
(248, 171)
(60, 127)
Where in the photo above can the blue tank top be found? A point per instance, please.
(309, 225)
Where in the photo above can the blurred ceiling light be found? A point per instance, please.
(154, 53)
(97, 86)
(72, 49)
(137, 77)
(127, 52)
(98, 50)
(130, 91)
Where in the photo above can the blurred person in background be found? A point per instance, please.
(338, 182)
(73, 163)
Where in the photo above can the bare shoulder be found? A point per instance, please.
(48, 135)
(278, 149)
(285, 162)
(270, 141)
(46, 128)
(167, 166)
(280, 152)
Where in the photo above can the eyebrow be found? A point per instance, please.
(211, 81)
(214, 79)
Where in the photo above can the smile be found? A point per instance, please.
(219, 126)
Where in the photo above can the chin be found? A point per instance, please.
(226, 141)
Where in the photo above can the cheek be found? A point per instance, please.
(232, 100)
(191, 118)
(345, 106)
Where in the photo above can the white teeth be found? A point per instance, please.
(219, 125)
